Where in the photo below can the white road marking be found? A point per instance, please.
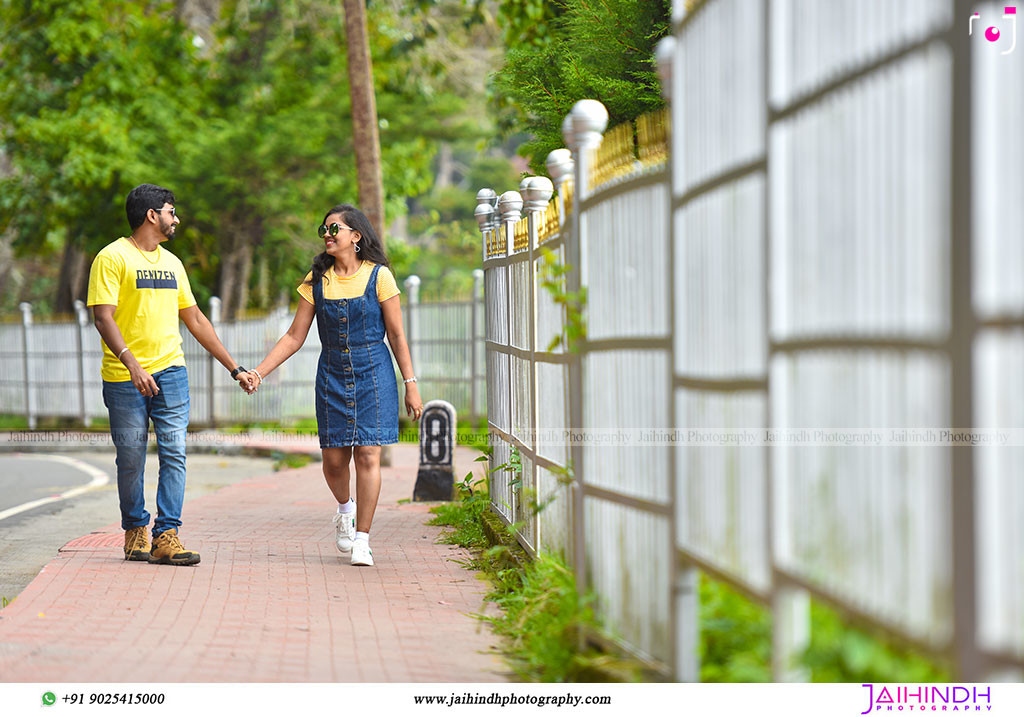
(99, 479)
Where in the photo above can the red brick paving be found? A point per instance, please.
(272, 600)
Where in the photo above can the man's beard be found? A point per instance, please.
(167, 229)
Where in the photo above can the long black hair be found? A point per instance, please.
(371, 248)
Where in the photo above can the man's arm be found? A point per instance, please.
(200, 327)
(103, 318)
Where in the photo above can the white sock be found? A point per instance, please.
(363, 536)
(349, 507)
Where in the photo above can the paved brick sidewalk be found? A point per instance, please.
(272, 600)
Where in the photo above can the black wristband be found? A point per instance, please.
(234, 374)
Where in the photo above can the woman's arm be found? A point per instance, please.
(392, 310)
(288, 344)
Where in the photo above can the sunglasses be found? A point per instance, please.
(323, 230)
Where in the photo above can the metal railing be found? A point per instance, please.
(820, 256)
(52, 369)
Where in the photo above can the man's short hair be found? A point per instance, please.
(143, 198)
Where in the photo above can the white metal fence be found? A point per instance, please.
(827, 252)
(53, 369)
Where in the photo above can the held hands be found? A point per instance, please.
(413, 402)
(248, 382)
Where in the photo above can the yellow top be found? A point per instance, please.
(353, 286)
(148, 289)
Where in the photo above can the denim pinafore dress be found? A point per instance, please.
(356, 388)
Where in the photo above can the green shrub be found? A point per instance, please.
(594, 50)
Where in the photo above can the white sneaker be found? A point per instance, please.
(361, 553)
(345, 531)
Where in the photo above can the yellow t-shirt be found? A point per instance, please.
(148, 290)
(352, 287)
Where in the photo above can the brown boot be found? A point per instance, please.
(136, 543)
(168, 550)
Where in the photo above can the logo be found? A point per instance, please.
(928, 698)
(992, 33)
(155, 279)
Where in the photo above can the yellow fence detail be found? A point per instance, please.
(652, 137)
(550, 222)
(496, 243)
(521, 235)
(567, 191)
(615, 156)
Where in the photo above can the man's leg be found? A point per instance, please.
(129, 427)
(170, 422)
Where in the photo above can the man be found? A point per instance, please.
(138, 290)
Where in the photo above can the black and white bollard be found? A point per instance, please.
(436, 477)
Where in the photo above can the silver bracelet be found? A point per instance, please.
(257, 375)
(121, 352)
(409, 380)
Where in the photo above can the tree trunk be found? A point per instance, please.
(244, 259)
(236, 266)
(6, 237)
(74, 277)
(365, 136)
(6, 260)
(445, 166)
(228, 276)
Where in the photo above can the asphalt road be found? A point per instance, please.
(28, 478)
(31, 538)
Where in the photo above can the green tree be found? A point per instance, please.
(88, 91)
(599, 50)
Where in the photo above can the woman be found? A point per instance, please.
(354, 297)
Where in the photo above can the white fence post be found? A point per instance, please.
(215, 305)
(537, 193)
(412, 288)
(82, 317)
(581, 130)
(26, 334)
(791, 633)
(474, 351)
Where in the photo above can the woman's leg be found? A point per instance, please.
(367, 484)
(336, 462)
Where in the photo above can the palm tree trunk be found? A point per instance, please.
(74, 276)
(365, 136)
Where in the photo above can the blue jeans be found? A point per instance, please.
(130, 413)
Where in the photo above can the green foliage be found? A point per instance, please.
(599, 50)
(253, 132)
(736, 642)
(448, 241)
(76, 125)
(573, 304)
(839, 653)
(541, 614)
(529, 22)
(735, 636)
(283, 461)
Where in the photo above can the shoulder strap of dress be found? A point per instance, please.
(372, 283)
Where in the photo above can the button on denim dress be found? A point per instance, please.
(356, 389)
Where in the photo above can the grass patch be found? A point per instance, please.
(15, 422)
(4, 602)
(300, 426)
(736, 642)
(541, 616)
(283, 461)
